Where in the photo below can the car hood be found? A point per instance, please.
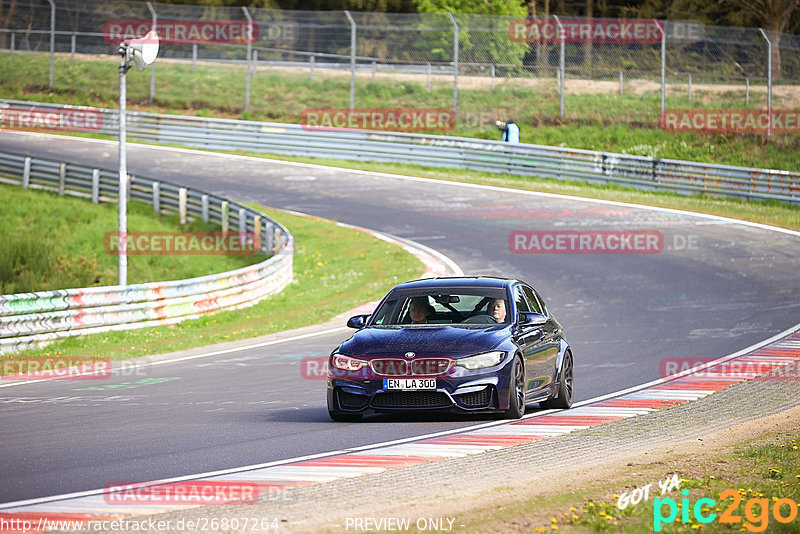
(446, 340)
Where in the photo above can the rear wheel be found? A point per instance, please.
(345, 417)
(563, 398)
(516, 391)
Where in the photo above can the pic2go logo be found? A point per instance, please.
(756, 511)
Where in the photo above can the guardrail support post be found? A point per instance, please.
(26, 174)
(248, 53)
(257, 232)
(194, 56)
(769, 81)
(224, 215)
(242, 226)
(204, 207)
(182, 204)
(52, 39)
(352, 59)
(62, 178)
(96, 186)
(156, 198)
(455, 62)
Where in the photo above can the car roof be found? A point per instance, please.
(458, 281)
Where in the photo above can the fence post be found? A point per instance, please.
(96, 186)
(204, 207)
(455, 62)
(52, 39)
(373, 72)
(72, 47)
(663, 64)
(62, 178)
(561, 69)
(769, 81)
(26, 174)
(182, 204)
(311, 70)
(255, 63)
(690, 87)
(492, 70)
(620, 83)
(747, 91)
(194, 56)
(429, 76)
(153, 65)
(352, 59)
(13, 41)
(248, 58)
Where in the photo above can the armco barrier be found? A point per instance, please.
(444, 151)
(30, 318)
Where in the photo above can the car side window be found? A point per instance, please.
(521, 301)
(534, 302)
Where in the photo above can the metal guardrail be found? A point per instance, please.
(31, 318)
(640, 172)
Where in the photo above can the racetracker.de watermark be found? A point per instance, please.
(56, 367)
(777, 369)
(731, 120)
(192, 492)
(180, 243)
(77, 119)
(389, 119)
(548, 30)
(586, 242)
(183, 31)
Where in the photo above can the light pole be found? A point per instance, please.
(142, 52)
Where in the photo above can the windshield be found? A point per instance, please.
(437, 306)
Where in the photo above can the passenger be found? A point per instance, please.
(497, 309)
(419, 310)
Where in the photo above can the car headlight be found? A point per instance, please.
(479, 361)
(347, 363)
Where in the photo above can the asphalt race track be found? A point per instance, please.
(714, 288)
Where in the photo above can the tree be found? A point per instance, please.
(773, 15)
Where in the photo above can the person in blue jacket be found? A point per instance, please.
(510, 131)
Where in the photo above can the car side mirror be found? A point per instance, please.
(357, 321)
(532, 319)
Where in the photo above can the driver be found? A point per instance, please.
(419, 310)
(497, 309)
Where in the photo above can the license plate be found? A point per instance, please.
(409, 383)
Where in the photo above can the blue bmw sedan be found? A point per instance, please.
(463, 345)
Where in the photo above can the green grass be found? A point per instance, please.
(52, 242)
(335, 269)
(605, 121)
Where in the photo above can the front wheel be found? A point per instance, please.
(516, 392)
(345, 417)
(563, 400)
